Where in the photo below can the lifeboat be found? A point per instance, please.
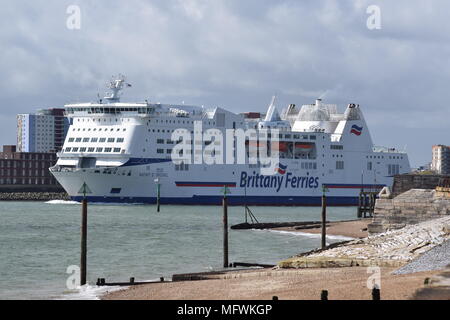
(280, 146)
(303, 147)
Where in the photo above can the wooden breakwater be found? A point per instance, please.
(33, 196)
(269, 225)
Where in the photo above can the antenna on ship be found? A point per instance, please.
(116, 84)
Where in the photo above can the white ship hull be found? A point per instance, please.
(204, 185)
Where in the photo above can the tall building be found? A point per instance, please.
(41, 132)
(440, 162)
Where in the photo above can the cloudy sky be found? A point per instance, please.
(236, 54)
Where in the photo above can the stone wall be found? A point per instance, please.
(405, 182)
(33, 196)
(410, 207)
(31, 188)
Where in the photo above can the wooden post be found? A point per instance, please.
(324, 221)
(225, 231)
(83, 260)
(324, 295)
(376, 293)
(158, 196)
(359, 212)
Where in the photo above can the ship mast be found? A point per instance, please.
(116, 85)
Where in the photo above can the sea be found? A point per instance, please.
(40, 243)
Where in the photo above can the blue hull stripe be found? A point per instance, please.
(353, 186)
(204, 184)
(232, 200)
(142, 161)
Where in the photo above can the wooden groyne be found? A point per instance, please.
(269, 225)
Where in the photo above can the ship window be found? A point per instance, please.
(312, 137)
(168, 151)
(85, 139)
(78, 140)
(71, 139)
(94, 139)
(99, 150)
(119, 139)
(160, 150)
(116, 150)
(115, 190)
(91, 149)
(68, 149)
(339, 165)
(102, 139)
(369, 165)
(393, 169)
(75, 150)
(111, 139)
(159, 141)
(108, 149)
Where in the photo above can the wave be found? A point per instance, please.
(308, 235)
(62, 202)
(90, 292)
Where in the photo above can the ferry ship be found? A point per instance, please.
(122, 153)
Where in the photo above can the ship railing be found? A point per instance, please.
(385, 149)
(58, 168)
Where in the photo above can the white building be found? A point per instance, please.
(440, 162)
(41, 132)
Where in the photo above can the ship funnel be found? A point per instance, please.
(318, 102)
(272, 112)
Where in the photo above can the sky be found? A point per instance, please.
(236, 54)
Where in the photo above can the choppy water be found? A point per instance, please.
(38, 241)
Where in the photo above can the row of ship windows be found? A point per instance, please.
(261, 135)
(92, 149)
(382, 157)
(181, 122)
(95, 140)
(99, 129)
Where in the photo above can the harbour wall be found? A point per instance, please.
(405, 182)
(414, 198)
(32, 193)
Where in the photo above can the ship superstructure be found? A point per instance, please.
(123, 150)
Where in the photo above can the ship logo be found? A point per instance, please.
(280, 168)
(356, 130)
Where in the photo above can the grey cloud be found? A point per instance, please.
(237, 54)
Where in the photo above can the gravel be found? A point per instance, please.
(434, 259)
